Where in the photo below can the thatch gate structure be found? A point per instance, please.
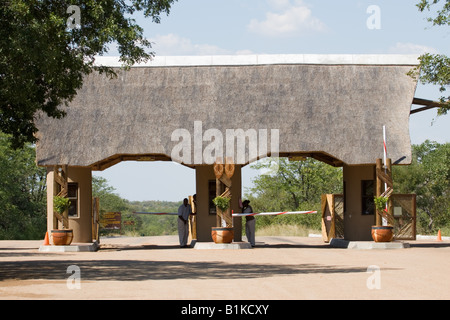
(328, 107)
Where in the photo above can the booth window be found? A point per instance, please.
(367, 195)
(73, 197)
(211, 196)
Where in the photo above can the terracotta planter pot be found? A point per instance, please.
(62, 237)
(222, 235)
(382, 234)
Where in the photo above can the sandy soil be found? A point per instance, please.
(279, 268)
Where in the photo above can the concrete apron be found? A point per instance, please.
(367, 245)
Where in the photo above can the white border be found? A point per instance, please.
(248, 60)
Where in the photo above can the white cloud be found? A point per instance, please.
(291, 19)
(411, 48)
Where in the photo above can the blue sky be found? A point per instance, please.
(219, 27)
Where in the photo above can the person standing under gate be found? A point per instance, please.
(192, 218)
(249, 223)
(184, 211)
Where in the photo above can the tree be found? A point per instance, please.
(22, 193)
(147, 225)
(429, 178)
(44, 55)
(109, 201)
(296, 185)
(435, 68)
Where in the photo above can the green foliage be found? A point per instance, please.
(131, 224)
(380, 203)
(150, 225)
(222, 202)
(60, 204)
(138, 225)
(295, 186)
(109, 201)
(43, 62)
(22, 193)
(429, 178)
(443, 14)
(435, 68)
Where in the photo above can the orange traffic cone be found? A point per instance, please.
(46, 242)
(439, 238)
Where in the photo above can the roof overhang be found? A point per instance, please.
(329, 107)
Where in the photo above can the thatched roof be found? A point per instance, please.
(329, 107)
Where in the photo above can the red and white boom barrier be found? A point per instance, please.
(237, 214)
(272, 213)
(157, 213)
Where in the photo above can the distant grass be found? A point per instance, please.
(445, 232)
(285, 230)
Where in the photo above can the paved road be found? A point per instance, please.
(280, 268)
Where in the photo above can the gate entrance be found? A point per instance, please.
(134, 117)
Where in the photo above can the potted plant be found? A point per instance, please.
(61, 237)
(382, 233)
(222, 234)
(222, 203)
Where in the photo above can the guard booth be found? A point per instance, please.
(403, 217)
(194, 109)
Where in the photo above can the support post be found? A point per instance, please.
(218, 193)
(390, 207)
(60, 188)
(223, 174)
(379, 188)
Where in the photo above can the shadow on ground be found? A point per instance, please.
(137, 270)
(430, 245)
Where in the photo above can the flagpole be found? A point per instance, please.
(384, 149)
(385, 167)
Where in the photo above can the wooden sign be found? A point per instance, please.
(111, 221)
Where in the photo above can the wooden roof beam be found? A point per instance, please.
(429, 104)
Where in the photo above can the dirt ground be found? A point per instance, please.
(278, 268)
